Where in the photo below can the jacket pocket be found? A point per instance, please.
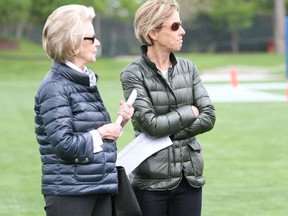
(154, 167)
(196, 158)
(92, 172)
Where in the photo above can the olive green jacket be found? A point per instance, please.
(163, 108)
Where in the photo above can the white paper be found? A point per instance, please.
(139, 149)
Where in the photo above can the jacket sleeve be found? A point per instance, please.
(145, 118)
(57, 120)
(206, 119)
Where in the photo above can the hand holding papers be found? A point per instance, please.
(130, 100)
(139, 149)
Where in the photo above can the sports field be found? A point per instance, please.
(245, 154)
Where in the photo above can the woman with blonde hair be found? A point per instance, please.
(73, 127)
(172, 101)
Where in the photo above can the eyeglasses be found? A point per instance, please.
(91, 38)
(174, 27)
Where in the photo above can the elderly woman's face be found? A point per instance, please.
(88, 48)
(170, 36)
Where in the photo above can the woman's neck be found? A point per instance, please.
(159, 58)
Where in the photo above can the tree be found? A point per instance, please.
(279, 26)
(232, 16)
(190, 9)
(14, 16)
(122, 9)
(41, 9)
(235, 15)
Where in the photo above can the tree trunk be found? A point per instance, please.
(20, 27)
(279, 26)
(234, 41)
(98, 29)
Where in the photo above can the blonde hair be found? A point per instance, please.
(63, 31)
(151, 15)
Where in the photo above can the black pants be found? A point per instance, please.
(183, 201)
(92, 205)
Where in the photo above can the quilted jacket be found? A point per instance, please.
(163, 108)
(66, 108)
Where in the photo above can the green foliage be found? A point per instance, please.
(41, 9)
(15, 10)
(233, 15)
(267, 6)
(122, 9)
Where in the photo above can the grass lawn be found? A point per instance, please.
(245, 154)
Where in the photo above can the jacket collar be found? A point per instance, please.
(71, 74)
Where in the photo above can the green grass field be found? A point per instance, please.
(245, 154)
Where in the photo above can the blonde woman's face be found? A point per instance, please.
(169, 38)
(88, 48)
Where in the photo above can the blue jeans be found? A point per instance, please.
(182, 201)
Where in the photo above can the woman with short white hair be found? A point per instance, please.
(73, 127)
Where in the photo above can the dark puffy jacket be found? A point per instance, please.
(66, 108)
(163, 108)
